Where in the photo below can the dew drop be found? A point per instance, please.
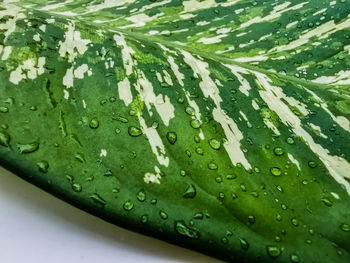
(275, 171)
(94, 123)
(345, 227)
(141, 195)
(4, 109)
(294, 258)
(195, 124)
(163, 215)
(43, 166)
(215, 144)
(190, 191)
(190, 111)
(172, 137)
(76, 187)
(28, 148)
(97, 199)
(4, 139)
(181, 228)
(212, 166)
(273, 251)
(128, 205)
(134, 131)
(278, 151)
(244, 243)
(144, 219)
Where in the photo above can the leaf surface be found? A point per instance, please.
(221, 126)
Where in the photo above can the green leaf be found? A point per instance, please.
(221, 126)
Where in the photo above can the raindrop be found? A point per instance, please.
(181, 228)
(215, 144)
(275, 171)
(172, 137)
(195, 124)
(128, 205)
(134, 131)
(278, 151)
(163, 215)
(76, 187)
(345, 227)
(43, 166)
(190, 191)
(28, 148)
(94, 123)
(273, 251)
(141, 195)
(4, 139)
(244, 243)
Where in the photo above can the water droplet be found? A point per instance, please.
(76, 187)
(4, 109)
(181, 228)
(190, 191)
(295, 222)
(198, 215)
(224, 240)
(312, 164)
(243, 187)
(94, 123)
(134, 131)
(294, 258)
(215, 144)
(199, 151)
(172, 137)
(141, 195)
(79, 157)
(197, 139)
(244, 243)
(345, 227)
(155, 125)
(251, 219)
(278, 151)
(4, 139)
(273, 251)
(290, 140)
(327, 201)
(275, 171)
(163, 215)
(212, 166)
(218, 179)
(28, 148)
(144, 219)
(98, 200)
(153, 201)
(43, 166)
(195, 124)
(190, 111)
(128, 205)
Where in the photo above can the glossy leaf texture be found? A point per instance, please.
(221, 126)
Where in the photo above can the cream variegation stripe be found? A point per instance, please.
(337, 166)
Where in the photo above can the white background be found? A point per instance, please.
(37, 227)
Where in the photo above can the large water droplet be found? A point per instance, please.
(181, 228)
(244, 243)
(294, 258)
(4, 109)
(28, 148)
(43, 166)
(273, 251)
(190, 191)
(215, 144)
(128, 205)
(4, 138)
(345, 227)
(163, 215)
(134, 131)
(141, 195)
(94, 123)
(275, 171)
(190, 111)
(195, 124)
(278, 151)
(172, 137)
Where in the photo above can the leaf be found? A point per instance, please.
(221, 126)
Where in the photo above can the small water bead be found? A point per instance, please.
(275, 171)
(28, 148)
(190, 191)
(198, 215)
(255, 194)
(278, 217)
(345, 227)
(273, 251)
(180, 100)
(43, 166)
(197, 139)
(231, 176)
(134, 131)
(128, 205)
(244, 243)
(117, 130)
(199, 151)
(195, 124)
(77, 187)
(212, 166)
(80, 157)
(218, 179)
(190, 111)
(172, 137)
(224, 240)
(215, 144)
(154, 201)
(294, 258)
(295, 222)
(221, 196)
(278, 151)
(94, 123)
(4, 109)
(278, 238)
(243, 187)
(290, 140)
(97, 199)
(327, 201)
(181, 228)
(188, 153)
(141, 195)
(312, 164)
(155, 125)
(163, 215)
(144, 219)
(234, 196)
(4, 138)
(251, 219)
